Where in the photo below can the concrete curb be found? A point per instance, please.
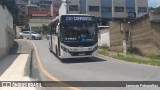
(28, 67)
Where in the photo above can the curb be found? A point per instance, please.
(27, 68)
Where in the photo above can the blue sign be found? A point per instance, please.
(131, 15)
(83, 38)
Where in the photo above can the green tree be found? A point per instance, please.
(157, 10)
(44, 28)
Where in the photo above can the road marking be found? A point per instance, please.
(47, 73)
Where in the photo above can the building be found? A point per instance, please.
(55, 8)
(6, 31)
(22, 11)
(106, 10)
(39, 8)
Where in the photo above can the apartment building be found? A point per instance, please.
(109, 9)
(22, 11)
(55, 8)
(93, 7)
(141, 7)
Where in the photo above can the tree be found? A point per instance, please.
(44, 28)
(157, 10)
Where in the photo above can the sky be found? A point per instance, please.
(154, 3)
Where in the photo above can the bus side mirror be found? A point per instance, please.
(57, 30)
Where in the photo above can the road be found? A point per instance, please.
(99, 68)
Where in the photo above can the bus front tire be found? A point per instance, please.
(21, 37)
(33, 38)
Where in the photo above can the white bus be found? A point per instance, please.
(74, 36)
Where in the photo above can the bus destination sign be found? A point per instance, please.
(77, 18)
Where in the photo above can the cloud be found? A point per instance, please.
(154, 3)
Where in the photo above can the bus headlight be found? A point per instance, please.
(95, 48)
(64, 49)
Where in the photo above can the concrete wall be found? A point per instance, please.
(145, 36)
(103, 37)
(116, 36)
(37, 23)
(6, 32)
(141, 36)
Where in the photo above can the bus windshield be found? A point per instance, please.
(80, 32)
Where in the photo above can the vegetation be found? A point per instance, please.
(156, 10)
(11, 6)
(155, 62)
(44, 29)
(131, 57)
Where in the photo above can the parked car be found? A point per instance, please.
(30, 35)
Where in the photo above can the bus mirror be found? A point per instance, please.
(57, 30)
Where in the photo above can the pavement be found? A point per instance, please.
(46, 67)
(14, 67)
(100, 68)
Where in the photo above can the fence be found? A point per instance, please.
(6, 31)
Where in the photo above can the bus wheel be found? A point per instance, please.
(33, 38)
(21, 37)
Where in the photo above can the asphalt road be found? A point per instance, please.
(99, 68)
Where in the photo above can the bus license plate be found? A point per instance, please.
(81, 54)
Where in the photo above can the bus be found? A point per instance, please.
(73, 36)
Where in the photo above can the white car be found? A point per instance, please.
(30, 35)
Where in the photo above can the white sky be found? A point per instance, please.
(154, 3)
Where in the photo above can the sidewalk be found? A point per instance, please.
(13, 67)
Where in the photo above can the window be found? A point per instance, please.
(76, 31)
(105, 9)
(94, 8)
(119, 9)
(73, 7)
(26, 32)
(130, 9)
(142, 9)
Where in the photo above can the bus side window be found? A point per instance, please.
(53, 29)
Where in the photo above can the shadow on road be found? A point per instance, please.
(82, 60)
(6, 62)
(14, 49)
(19, 47)
(79, 60)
